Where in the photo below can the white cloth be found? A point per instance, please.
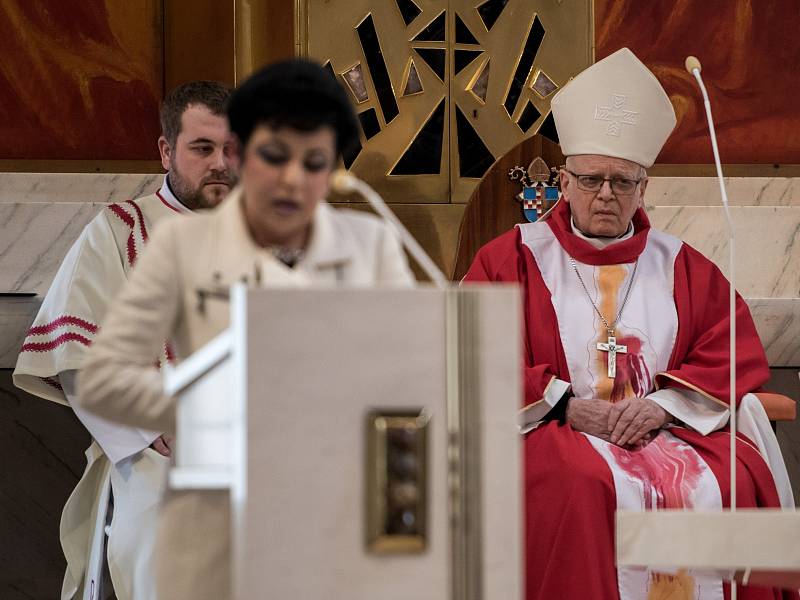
(138, 484)
(752, 421)
(532, 415)
(117, 441)
(692, 408)
(92, 273)
(617, 108)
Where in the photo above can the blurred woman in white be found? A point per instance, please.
(293, 122)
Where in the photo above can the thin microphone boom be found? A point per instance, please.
(345, 182)
(693, 66)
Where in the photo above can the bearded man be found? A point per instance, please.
(125, 463)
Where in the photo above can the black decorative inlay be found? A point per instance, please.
(329, 68)
(377, 66)
(529, 116)
(369, 123)
(535, 37)
(463, 34)
(350, 154)
(408, 10)
(490, 11)
(463, 58)
(474, 158)
(424, 155)
(434, 58)
(413, 82)
(435, 32)
(548, 128)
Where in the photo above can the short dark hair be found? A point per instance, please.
(211, 94)
(299, 94)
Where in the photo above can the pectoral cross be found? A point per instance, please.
(612, 349)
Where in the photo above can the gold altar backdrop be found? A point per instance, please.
(445, 87)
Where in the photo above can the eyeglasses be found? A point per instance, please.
(593, 183)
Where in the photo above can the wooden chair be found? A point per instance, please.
(493, 210)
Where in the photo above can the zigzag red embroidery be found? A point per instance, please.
(126, 218)
(167, 204)
(61, 322)
(60, 340)
(138, 210)
(123, 214)
(52, 382)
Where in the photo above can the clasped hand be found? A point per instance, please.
(627, 423)
(163, 445)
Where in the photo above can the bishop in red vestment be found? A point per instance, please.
(626, 357)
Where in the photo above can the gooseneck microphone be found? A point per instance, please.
(344, 182)
(694, 67)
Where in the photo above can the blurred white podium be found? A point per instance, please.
(368, 439)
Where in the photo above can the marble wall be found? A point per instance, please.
(766, 219)
(42, 214)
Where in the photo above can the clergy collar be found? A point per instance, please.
(626, 250)
(166, 196)
(601, 242)
(328, 245)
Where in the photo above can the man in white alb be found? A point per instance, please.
(197, 150)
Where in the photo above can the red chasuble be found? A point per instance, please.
(676, 329)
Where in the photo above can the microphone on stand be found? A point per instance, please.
(693, 67)
(344, 182)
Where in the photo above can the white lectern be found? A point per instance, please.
(368, 439)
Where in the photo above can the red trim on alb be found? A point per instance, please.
(123, 214)
(139, 214)
(53, 383)
(126, 218)
(167, 204)
(60, 340)
(62, 322)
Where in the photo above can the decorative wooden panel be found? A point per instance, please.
(493, 208)
(444, 87)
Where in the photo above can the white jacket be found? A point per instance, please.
(161, 301)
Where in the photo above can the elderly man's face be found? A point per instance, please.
(606, 212)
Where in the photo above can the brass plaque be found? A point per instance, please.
(443, 88)
(396, 482)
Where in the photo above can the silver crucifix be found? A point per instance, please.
(612, 349)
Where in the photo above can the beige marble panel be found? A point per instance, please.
(767, 243)
(76, 187)
(34, 239)
(778, 324)
(704, 191)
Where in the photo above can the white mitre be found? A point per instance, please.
(615, 108)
